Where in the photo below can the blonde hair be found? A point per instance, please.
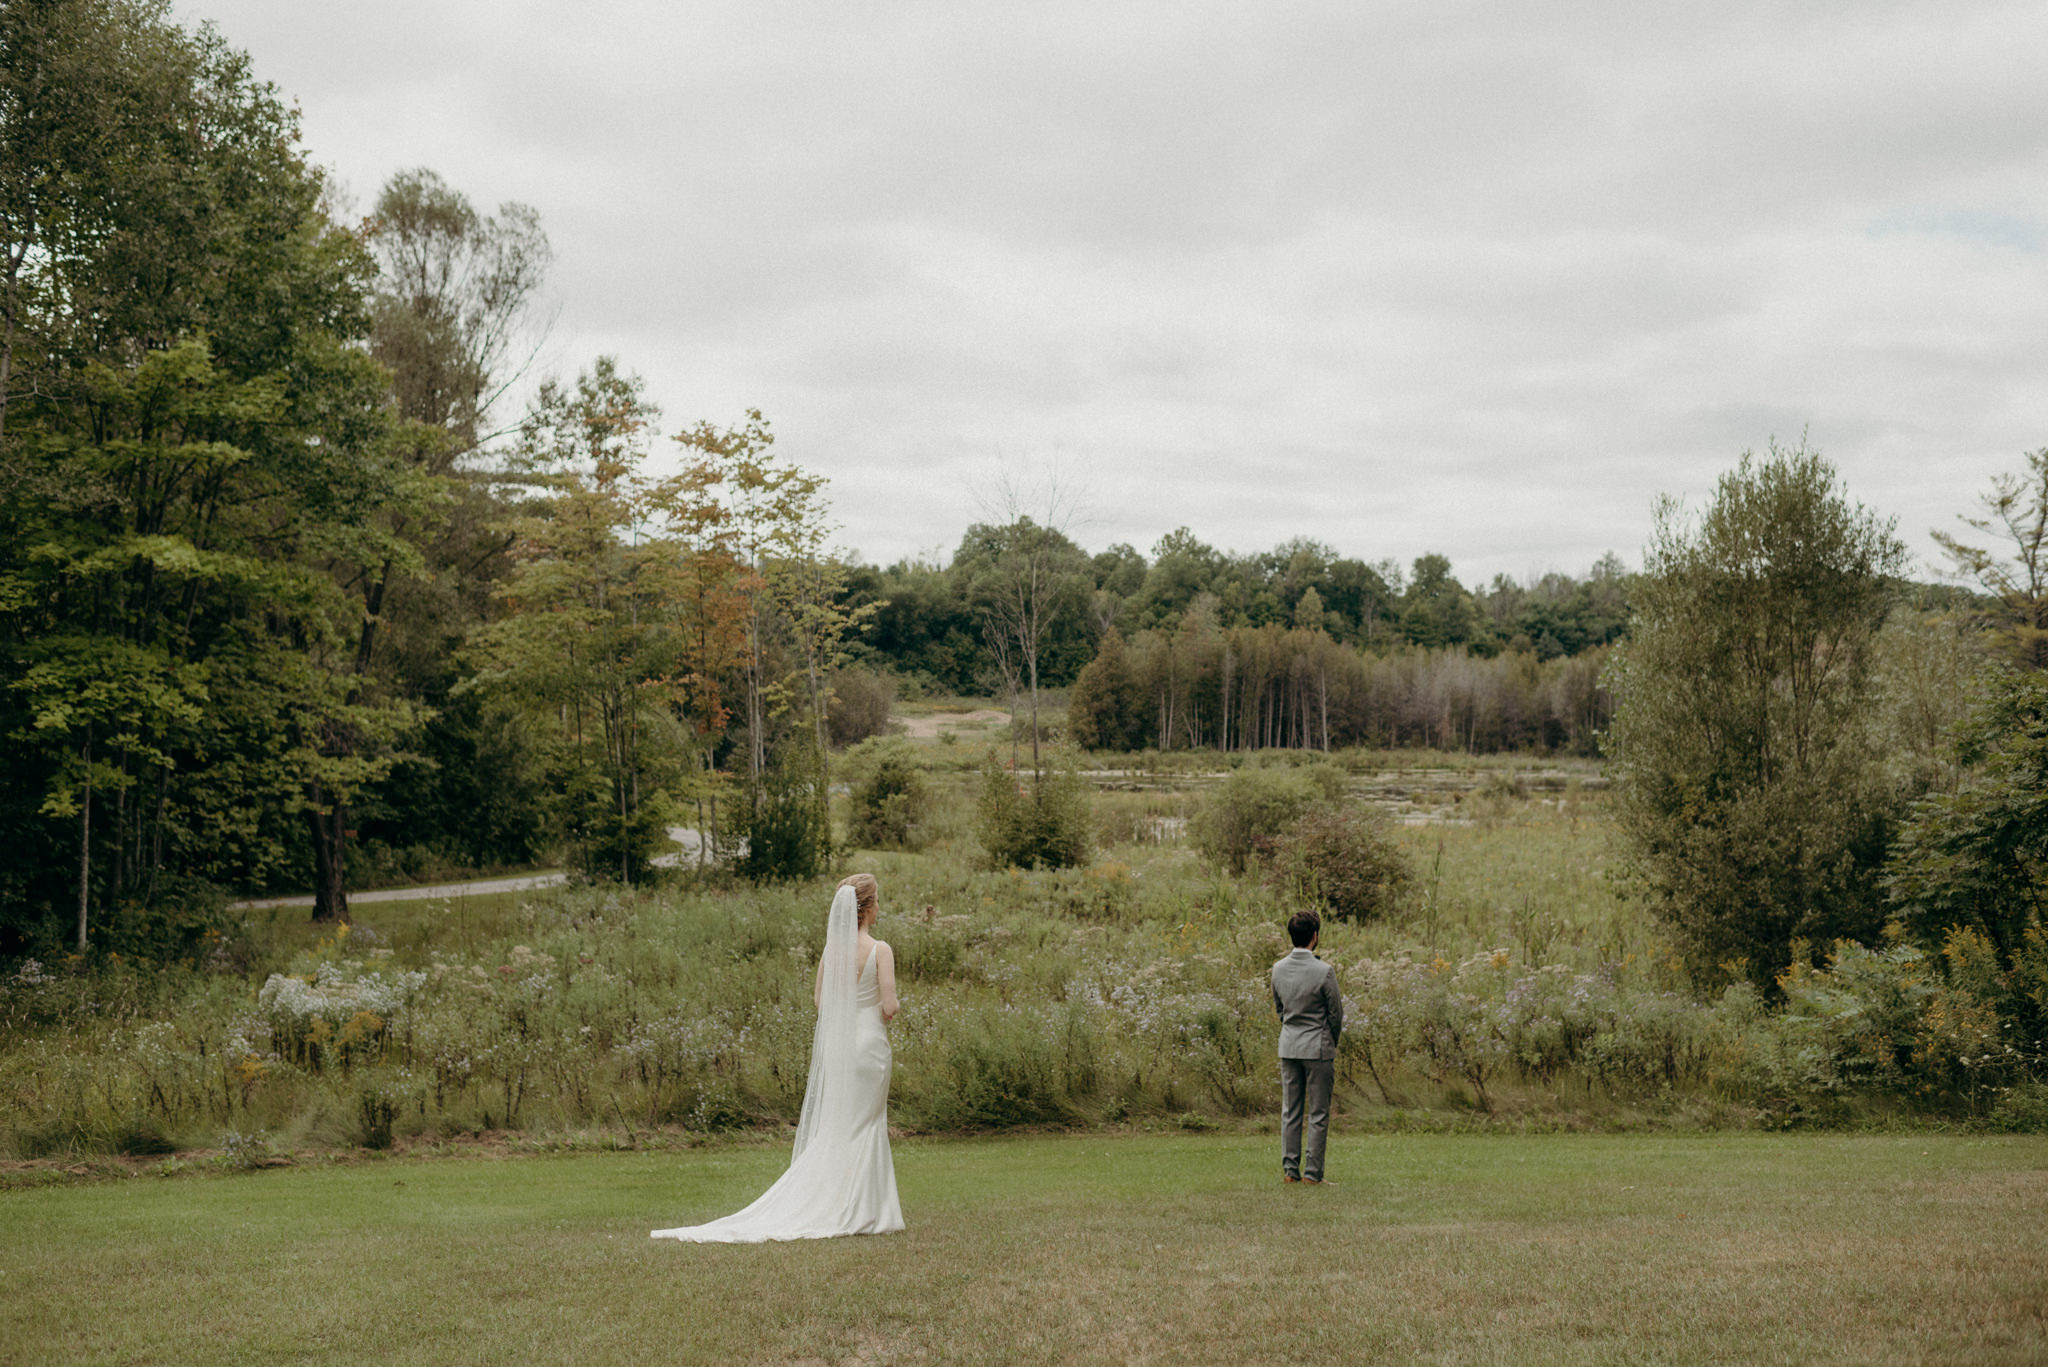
(867, 894)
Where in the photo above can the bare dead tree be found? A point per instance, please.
(1024, 581)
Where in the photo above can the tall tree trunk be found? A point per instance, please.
(329, 833)
(10, 304)
(818, 726)
(85, 844)
(1036, 766)
(1323, 692)
(1223, 732)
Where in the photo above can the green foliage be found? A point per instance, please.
(203, 480)
(607, 839)
(1248, 813)
(861, 702)
(787, 828)
(889, 797)
(2022, 1110)
(1001, 1075)
(1025, 824)
(1946, 1030)
(1755, 801)
(1977, 856)
(1340, 856)
(591, 644)
(1106, 710)
(2015, 575)
(1438, 611)
(375, 1112)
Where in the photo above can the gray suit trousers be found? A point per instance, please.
(1305, 1088)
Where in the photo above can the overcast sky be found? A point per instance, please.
(1481, 279)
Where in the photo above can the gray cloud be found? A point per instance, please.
(1481, 279)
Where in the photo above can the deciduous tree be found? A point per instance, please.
(1751, 797)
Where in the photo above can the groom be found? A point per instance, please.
(1311, 1018)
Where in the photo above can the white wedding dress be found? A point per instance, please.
(841, 1179)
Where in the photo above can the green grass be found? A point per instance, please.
(411, 925)
(1087, 1249)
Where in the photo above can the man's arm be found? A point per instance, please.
(1333, 1003)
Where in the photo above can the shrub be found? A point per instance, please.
(787, 828)
(604, 843)
(1342, 857)
(889, 796)
(861, 703)
(2022, 1110)
(1002, 1075)
(375, 1110)
(1033, 825)
(1253, 808)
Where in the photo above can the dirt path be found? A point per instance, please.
(689, 849)
(482, 887)
(928, 727)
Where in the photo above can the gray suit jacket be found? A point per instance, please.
(1310, 1006)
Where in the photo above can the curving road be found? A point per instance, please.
(480, 888)
(690, 847)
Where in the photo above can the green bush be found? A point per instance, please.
(1342, 857)
(1033, 825)
(1976, 856)
(890, 798)
(2022, 1110)
(375, 1111)
(1252, 808)
(606, 844)
(861, 702)
(1001, 1076)
(786, 825)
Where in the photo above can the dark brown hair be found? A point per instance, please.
(867, 893)
(1302, 927)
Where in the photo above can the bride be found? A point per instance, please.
(841, 1179)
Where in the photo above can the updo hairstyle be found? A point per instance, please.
(867, 895)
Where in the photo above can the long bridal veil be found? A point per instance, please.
(841, 1179)
(829, 1103)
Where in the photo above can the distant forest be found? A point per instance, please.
(929, 626)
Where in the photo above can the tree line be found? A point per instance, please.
(1199, 685)
(930, 619)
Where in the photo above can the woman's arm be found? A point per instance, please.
(885, 980)
(818, 984)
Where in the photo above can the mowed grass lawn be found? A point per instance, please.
(1174, 1249)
